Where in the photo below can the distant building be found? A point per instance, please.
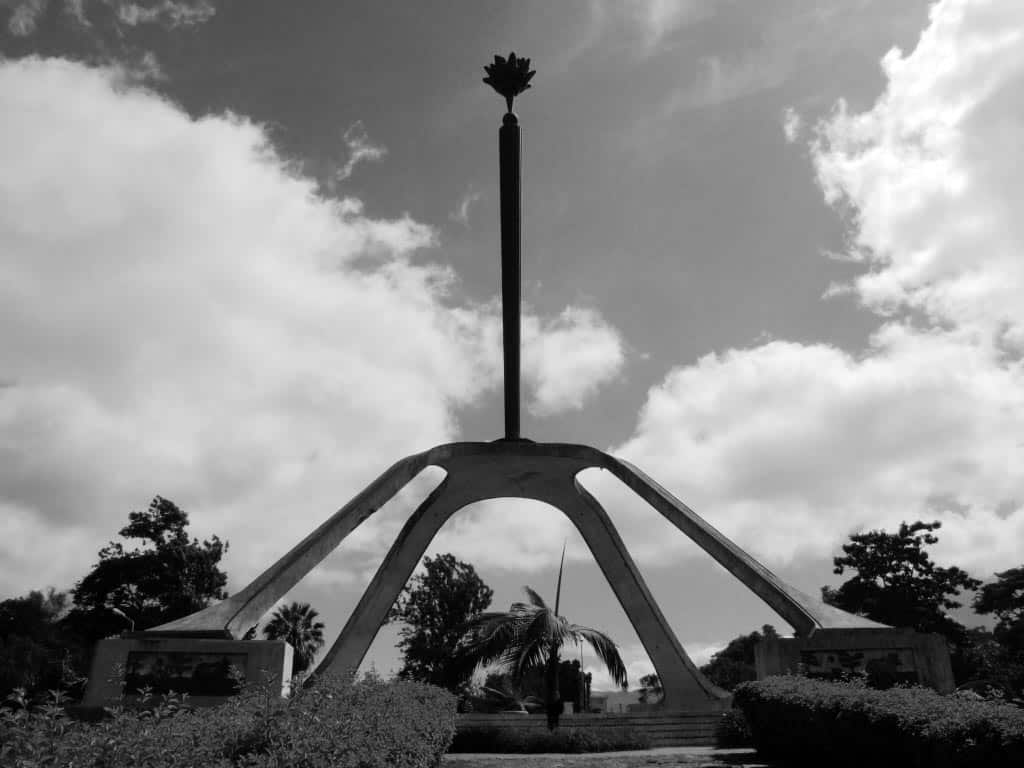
(613, 701)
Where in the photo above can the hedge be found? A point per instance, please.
(334, 724)
(564, 740)
(804, 720)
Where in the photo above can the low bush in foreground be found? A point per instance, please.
(847, 724)
(732, 730)
(334, 724)
(567, 740)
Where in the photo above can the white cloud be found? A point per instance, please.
(791, 124)
(649, 24)
(790, 447)
(360, 149)
(505, 533)
(930, 172)
(24, 16)
(722, 80)
(167, 12)
(209, 330)
(568, 358)
(461, 212)
(657, 20)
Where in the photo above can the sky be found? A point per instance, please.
(772, 255)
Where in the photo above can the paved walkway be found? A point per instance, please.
(663, 757)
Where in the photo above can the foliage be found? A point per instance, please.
(1005, 598)
(982, 662)
(896, 583)
(568, 740)
(168, 580)
(531, 635)
(435, 608)
(732, 730)
(848, 724)
(336, 724)
(651, 689)
(295, 624)
(734, 664)
(37, 652)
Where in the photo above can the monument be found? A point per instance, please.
(516, 467)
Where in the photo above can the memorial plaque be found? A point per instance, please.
(197, 674)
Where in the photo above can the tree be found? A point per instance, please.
(531, 635)
(1005, 598)
(295, 625)
(168, 580)
(436, 606)
(36, 653)
(896, 582)
(650, 687)
(734, 664)
(982, 662)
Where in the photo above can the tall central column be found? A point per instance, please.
(509, 145)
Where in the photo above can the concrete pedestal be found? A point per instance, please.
(898, 655)
(194, 665)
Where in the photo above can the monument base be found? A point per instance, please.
(208, 669)
(888, 656)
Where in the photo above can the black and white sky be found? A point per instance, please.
(773, 255)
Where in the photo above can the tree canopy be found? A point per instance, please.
(897, 583)
(171, 578)
(734, 664)
(1004, 597)
(435, 608)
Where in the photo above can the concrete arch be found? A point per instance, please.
(546, 472)
(684, 685)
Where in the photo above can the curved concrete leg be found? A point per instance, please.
(684, 685)
(803, 612)
(347, 652)
(244, 609)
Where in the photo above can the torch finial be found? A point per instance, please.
(509, 77)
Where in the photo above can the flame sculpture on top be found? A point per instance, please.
(509, 77)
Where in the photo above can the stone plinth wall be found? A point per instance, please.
(899, 654)
(195, 662)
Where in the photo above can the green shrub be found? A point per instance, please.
(564, 740)
(732, 730)
(846, 723)
(334, 724)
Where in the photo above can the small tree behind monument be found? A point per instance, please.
(435, 607)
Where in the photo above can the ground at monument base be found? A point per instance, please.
(662, 757)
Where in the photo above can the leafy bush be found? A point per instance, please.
(336, 724)
(732, 730)
(846, 723)
(563, 740)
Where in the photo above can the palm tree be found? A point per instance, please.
(531, 635)
(294, 624)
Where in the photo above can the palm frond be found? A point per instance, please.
(532, 655)
(535, 598)
(605, 650)
(493, 635)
